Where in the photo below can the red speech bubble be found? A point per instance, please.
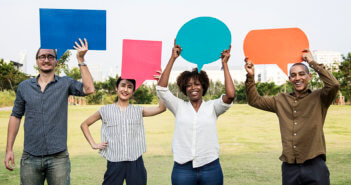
(276, 46)
(140, 60)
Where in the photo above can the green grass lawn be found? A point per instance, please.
(249, 139)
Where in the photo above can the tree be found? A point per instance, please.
(240, 92)
(316, 82)
(173, 87)
(10, 77)
(73, 73)
(62, 63)
(215, 90)
(267, 88)
(110, 84)
(142, 95)
(287, 87)
(95, 98)
(344, 77)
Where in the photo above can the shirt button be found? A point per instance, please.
(294, 134)
(294, 111)
(295, 101)
(294, 146)
(295, 123)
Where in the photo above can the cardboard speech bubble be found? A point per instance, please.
(276, 46)
(60, 28)
(203, 39)
(140, 60)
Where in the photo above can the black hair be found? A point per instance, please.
(119, 81)
(130, 80)
(185, 76)
(300, 64)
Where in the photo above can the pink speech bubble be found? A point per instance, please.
(276, 46)
(140, 60)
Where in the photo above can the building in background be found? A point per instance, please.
(263, 73)
(21, 63)
(270, 73)
(331, 59)
(96, 72)
(22, 59)
(215, 73)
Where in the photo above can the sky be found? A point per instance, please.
(325, 22)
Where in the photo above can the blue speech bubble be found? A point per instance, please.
(203, 39)
(60, 28)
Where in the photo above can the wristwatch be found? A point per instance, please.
(82, 64)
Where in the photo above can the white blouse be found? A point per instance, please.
(195, 135)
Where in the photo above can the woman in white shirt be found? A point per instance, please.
(122, 136)
(195, 142)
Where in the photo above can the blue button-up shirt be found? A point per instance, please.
(45, 124)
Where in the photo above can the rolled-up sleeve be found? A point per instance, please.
(256, 100)
(331, 84)
(220, 107)
(19, 105)
(168, 98)
(75, 87)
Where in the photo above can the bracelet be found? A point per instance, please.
(82, 64)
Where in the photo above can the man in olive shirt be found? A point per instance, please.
(301, 118)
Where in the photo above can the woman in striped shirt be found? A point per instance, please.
(122, 136)
(195, 142)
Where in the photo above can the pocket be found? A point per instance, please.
(25, 157)
(63, 154)
(325, 167)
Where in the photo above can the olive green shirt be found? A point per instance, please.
(301, 119)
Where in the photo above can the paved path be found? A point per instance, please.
(5, 108)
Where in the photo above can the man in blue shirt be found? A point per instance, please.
(44, 102)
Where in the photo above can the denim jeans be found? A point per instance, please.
(55, 168)
(209, 174)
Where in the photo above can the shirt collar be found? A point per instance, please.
(303, 94)
(35, 80)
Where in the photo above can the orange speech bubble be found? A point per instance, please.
(276, 46)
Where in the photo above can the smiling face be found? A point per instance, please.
(299, 77)
(194, 90)
(46, 60)
(125, 90)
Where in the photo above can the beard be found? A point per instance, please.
(47, 70)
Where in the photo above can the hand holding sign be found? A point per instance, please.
(81, 49)
(60, 28)
(176, 50)
(249, 67)
(203, 39)
(276, 46)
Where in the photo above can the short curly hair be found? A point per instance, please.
(185, 76)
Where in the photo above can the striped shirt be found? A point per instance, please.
(45, 124)
(124, 132)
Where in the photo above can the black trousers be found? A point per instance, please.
(311, 172)
(133, 172)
